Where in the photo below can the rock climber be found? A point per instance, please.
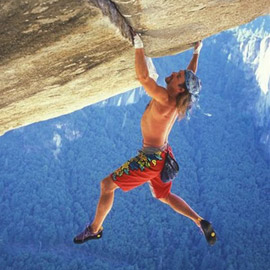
(155, 163)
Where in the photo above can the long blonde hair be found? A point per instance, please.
(183, 102)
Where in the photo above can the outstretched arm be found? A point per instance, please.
(140, 65)
(151, 87)
(194, 61)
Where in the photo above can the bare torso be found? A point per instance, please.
(156, 123)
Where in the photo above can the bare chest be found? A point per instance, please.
(159, 114)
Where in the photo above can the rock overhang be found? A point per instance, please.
(59, 56)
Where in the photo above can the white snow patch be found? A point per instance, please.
(59, 126)
(255, 49)
(131, 98)
(119, 101)
(72, 135)
(263, 69)
(256, 53)
(124, 120)
(57, 141)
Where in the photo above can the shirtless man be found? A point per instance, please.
(166, 106)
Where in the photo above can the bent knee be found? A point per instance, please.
(107, 185)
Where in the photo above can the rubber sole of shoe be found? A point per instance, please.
(95, 237)
(209, 232)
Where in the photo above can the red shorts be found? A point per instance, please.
(141, 169)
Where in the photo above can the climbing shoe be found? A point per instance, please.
(208, 231)
(87, 234)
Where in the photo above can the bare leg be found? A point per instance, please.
(107, 188)
(181, 207)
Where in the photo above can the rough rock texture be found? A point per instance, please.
(58, 56)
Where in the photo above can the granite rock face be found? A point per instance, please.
(58, 56)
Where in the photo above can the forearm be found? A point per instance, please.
(140, 64)
(193, 65)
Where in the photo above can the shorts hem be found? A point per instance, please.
(118, 184)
